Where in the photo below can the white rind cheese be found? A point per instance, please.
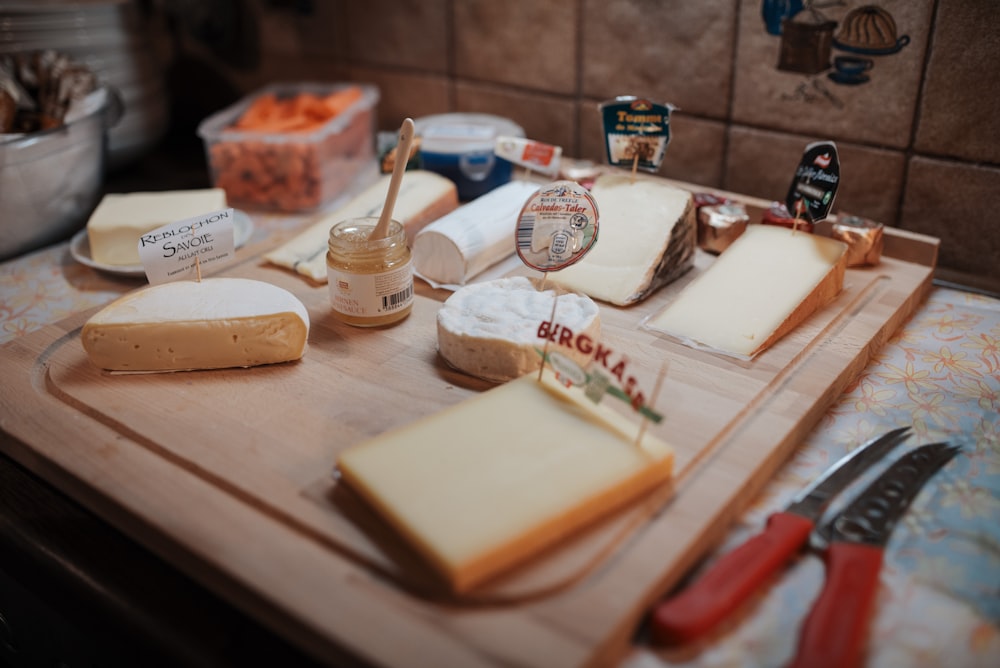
(490, 330)
(423, 197)
(473, 237)
(488, 483)
(211, 324)
(764, 285)
(115, 226)
(646, 239)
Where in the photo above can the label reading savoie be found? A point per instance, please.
(811, 194)
(187, 248)
(557, 226)
(636, 132)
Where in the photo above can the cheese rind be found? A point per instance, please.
(211, 324)
(763, 286)
(114, 228)
(490, 329)
(646, 239)
(488, 483)
(473, 237)
(423, 197)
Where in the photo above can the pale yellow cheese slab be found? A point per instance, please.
(763, 286)
(485, 485)
(114, 228)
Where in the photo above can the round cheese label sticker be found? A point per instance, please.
(557, 226)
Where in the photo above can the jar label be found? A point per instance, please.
(371, 295)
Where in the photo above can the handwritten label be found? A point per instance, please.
(180, 250)
(814, 187)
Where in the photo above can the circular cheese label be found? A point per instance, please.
(557, 226)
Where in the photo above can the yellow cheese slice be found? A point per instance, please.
(115, 226)
(423, 197)
(211, 324)
(763, 286)
(488, 483)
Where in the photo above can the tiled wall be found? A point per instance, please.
(918, 132)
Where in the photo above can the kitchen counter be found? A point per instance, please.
(937, 603)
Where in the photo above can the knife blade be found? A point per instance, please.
(834, 632)
(736, 575)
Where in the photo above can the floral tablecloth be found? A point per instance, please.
(939, 598)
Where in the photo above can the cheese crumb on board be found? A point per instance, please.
(489, 483)
(763, 286)
(185, 325)
(490, 329)
(646, 239)
(115, 226)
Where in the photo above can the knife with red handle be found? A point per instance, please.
(736, 575)
(834, 633)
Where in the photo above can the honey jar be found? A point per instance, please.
(370, 280)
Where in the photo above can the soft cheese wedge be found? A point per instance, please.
(211, 324)
(763, 286)
(646, 239)
(488, 483)
(490, 329)
(115, 226)
(423, 197)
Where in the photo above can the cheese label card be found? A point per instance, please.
(557, 226)
(636, 132)
(187, 248)
(811, 194)
(534, 155)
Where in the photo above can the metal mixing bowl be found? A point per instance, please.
(50, 181)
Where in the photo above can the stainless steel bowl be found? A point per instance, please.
(50, 181)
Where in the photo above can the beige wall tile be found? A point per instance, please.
(675, 52)
(403, 33)
(762, 164)
(954, 202)
(958, 115)
(524, 43)
(402, 94)
(544, 118)
(878, 111)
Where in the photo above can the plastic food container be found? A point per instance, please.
(460, 147)
(294, 172)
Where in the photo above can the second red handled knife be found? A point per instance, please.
(736, 575)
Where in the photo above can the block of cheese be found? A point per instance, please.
(764, 285)
(490, 329)
(473, 237)
(423, 197)
(646, 239)
(115, 226)
(488, 483)
(211, 324)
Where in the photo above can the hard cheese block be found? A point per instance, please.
(474, 237)
(211, 324)
(114, 228)
(646, 239)
(423, 197)
(764, 285)
(490, 329)
(486, 484)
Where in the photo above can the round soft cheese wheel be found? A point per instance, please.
(490, 329)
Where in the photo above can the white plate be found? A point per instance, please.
(79, 247)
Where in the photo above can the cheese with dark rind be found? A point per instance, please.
(185, 325)
(646, 239)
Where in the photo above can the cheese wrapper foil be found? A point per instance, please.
(720, 225)
(863, 238)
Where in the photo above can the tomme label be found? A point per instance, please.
(636, 132)
(185, 248)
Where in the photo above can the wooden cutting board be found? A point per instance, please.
(229, 474)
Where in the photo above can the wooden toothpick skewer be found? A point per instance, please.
(197, 267)
(652, 401)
